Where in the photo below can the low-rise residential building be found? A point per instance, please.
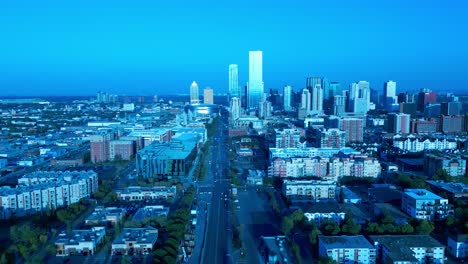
(457, 245)
(80, 242)
(325, 211)
(335, 167)
(135, 241)
(137, 193)
(397, 249)
(46, 190)
(347, 249)
(309, 190)
(150, 211)
(105, 215)
(413, 144)
(453, 164)
(453, 189)
(423, 204)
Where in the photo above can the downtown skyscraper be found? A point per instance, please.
(194, 93)
(255, 85)
(359, 97)
(287, 98)
(234, 88)
(315, 87)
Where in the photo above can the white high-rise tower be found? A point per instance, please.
(194, 93)
(234, 88)
(255, 85)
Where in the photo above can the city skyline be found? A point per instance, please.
(56, 48)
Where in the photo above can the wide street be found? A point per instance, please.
(216, 247)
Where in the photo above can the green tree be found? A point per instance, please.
(297, 216)
(313, 235)
(330, 228)
(287, 224)
(406, 229)
(424, 227)
(387, 218)
(327, 260)
(350, 227)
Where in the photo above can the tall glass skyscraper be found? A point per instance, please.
(194, 93)
(255, 85)
(234, 88)
(287, 98)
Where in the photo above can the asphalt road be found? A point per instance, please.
(218, 232)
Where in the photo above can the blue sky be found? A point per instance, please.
(160, 47)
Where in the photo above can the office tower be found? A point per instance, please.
(315, 87)
(255, 85)
(408, 108)
(304, 109)
(326, 88)
(317, 99)
(354, 128)
(432, 110)
(450, 108)
(194, 93)
(208, 95)
(287, 98)
(426, 96)
(235, 106)
(334, 89)
(359, 97)
(234, 88)
(406, 97)
(398, 123)
(339, 104)
(389, 95)
(155, 99)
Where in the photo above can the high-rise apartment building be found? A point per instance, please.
(208, 95)
(100, 147)
(234, 88)
(194, 93)
(354, 128)
(334, 89)
(339, 105)
(287, 98)
(304, 109)
(398, 123)
(255, 86)
(235, 106)
(331, 138)
(264, 109)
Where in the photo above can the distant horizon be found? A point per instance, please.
(159, 47)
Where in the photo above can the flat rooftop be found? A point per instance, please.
(421, 194)
(331, 242)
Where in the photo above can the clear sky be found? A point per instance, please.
(159, 46)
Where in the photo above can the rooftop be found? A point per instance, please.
(142, 235)
(331, 242)
(78, 236)
(399, 246)
(174, 150)
(421, 194)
